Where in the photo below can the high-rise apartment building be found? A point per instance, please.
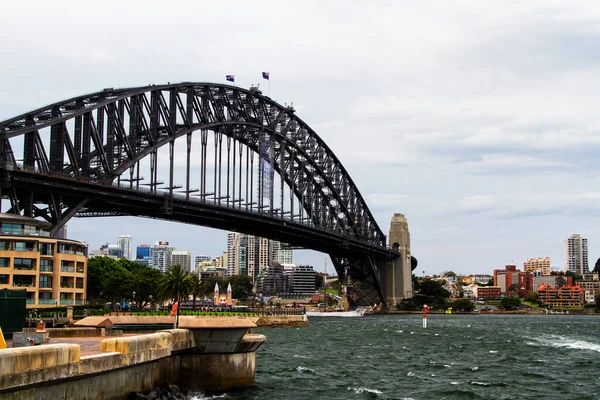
(161, 256)
(280, 253)
(231, 258)
(124, 243)
(540, 264)
(183, 258)
(576, 254)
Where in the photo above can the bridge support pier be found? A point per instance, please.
(398, 272)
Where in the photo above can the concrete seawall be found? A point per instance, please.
(224, 359)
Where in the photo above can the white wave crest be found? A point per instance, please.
(493, 351)
(565, 342)
(304, 369)
(202, 396)
(299, 356)
(410, 373)
(479, 383)
(475, 368)
(360, 390)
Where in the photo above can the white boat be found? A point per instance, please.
(359, 312)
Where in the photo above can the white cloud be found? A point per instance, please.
(476, 120)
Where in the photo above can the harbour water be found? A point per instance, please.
(456, 357)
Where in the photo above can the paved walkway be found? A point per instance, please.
(89, 345)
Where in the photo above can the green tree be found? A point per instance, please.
(195, 288)
(511, 303)
(208, 285)
(450, 274)
(463, 305)
(319, 280)
(241, 286)
(560, 282)
(531, 297)
(513, 290)
(597, 298)
(176, 285)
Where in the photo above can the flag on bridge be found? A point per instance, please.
(266, 75)
(230, 78)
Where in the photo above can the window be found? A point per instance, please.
(79, 283)
(46, 265)
(4, 279)
(14, 229)
(4, 262)
(24, 246)
(67, 266)
(47, 249)
(46, 281)
(23, 281)
(66, 282)
(24, 264)
(4, 245)
(80, 267)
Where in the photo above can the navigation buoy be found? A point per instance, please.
(426, 309)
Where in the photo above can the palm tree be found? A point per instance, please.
(514, 289)
(176, 285)
(196, 288)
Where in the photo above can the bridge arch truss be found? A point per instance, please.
(216, 148)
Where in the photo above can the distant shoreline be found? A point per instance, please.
(520, 312)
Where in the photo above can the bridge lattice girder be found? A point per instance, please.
(107, 137)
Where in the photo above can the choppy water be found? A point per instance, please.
(456, 357)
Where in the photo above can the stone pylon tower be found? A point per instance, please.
(216, 295)
(229, 300)
(398, 274)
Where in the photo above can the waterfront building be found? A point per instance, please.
(272, 281)
(541, 264)
(509, 276)
(563, 297)
(52, 271)
(222, 300)
(124, 243)
(183, 258)
(576, 254)
(161, 256)
(301, 279)
(487, 292)
(550, 280)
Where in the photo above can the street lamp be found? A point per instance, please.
(133, 301)
(151, 305)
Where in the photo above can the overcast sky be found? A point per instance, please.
(477, 120)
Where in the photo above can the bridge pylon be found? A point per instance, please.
(398, 271)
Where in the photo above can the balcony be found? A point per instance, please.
(68, 285)
(23, 267)
(80, 270)
(66, 268)
(48, 301)
(30, 301)
(66, 302)
(45, 285)
(23, 284)
(46, 268)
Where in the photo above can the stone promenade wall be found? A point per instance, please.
(126, 364)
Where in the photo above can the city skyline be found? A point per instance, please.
(473, 120)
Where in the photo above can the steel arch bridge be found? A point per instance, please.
(200, 153)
